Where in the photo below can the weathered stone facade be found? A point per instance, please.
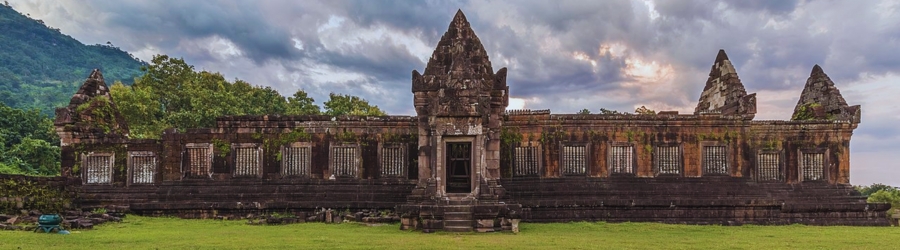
(464, 163)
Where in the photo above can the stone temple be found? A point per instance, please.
(465, 163)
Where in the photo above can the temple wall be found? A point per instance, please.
(692, 195)
(764, 181)
(741, 139)
(226, 186)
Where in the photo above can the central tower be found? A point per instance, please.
(459, 101)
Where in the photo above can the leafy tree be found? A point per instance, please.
(28, 143)
(604, 111)
(644, 111)
(584, 112)
(172, 95)
(338, 104)
(869, 190)
(141, 111)
(301, 104)
(882, 193)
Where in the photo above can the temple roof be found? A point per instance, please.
(820, 99)
(459, 79)
(459, 52)
(723, 91)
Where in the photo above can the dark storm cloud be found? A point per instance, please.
(429, 17)
(772, 6)
(380, 61)
(241, 23)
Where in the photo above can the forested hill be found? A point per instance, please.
(41, 67)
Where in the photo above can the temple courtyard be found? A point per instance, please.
(136, 232)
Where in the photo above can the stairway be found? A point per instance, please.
(458, 216)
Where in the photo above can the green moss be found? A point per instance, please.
(806, 112)
(32, 196)
(510, 136)
(101, 112)
(557, 134)
(346, 136)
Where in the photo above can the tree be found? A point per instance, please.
(301, 104)
(644, 111)
(882, 193)
(172, 95)
(350, 105)
(141, 111)
(27, 143)
(604, 111)
(869, 190)
(584, 112)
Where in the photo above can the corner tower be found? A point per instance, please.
(821, 100)
(459, 101)
(724, 93)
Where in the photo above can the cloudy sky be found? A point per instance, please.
(561, 55)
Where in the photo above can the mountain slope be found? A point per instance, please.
(41, 67)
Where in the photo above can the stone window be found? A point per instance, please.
(715, 160)
(574, 160)
(247, 159)
(768, 166)
(621, 159)
(98, 168)
(143, 167)
(667, 160)
(199, 159)
(526, 161)
(812, 166)
(295, 159)
(345, 161)
(393, 160)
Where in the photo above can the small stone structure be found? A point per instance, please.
(465, 164)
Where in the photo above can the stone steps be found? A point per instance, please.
(458, 218)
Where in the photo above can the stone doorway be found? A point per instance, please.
(459, 167)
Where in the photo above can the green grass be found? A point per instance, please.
(170, 233)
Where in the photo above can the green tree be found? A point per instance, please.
(869, 190)
(604, 111)
(36, 156)
(301, 104)
(338, 104)
(882, 193)
(28, 143)
(172, 95)
(584, 112)
(644, 111)
(141, 111)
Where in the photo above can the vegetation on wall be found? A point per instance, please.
(24, 194)
(807, 112)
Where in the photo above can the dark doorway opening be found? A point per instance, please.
(459, 166)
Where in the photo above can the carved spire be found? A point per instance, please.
(460, 67)
(459, 52)
(724, 93)
(821, 100)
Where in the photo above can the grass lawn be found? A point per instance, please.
(169, 233)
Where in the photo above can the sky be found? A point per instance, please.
(562, 55)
